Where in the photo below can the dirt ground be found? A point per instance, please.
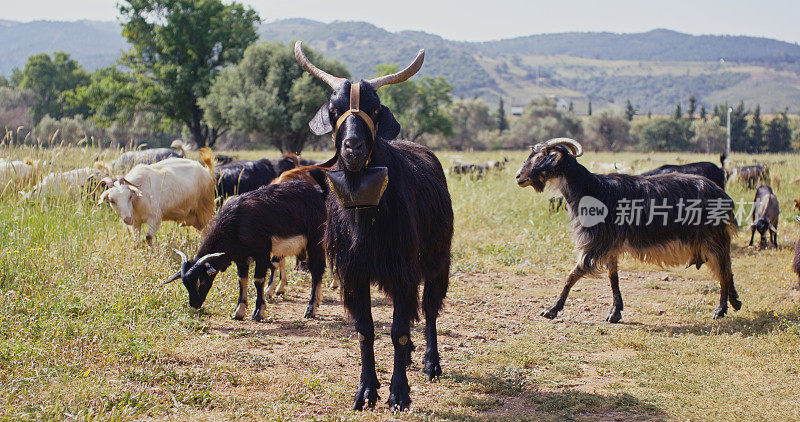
(274, 360)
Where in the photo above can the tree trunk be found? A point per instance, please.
(198, 129)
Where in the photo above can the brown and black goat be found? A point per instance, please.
(400, 243)
(274, 220)
(647, 217)
(766, 211)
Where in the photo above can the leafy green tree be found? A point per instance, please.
(4, 83)
(110, 96)
(571, 107)
(608, 131)
(470, 118)
(666, 135)
(756, 132)
(269, 96)
(182, 45)
(502, 121)
(540, 121)
(779, 134)
(678, 114)
(49, 78)
(709, 136)
(419, 105)
(703, 113)
(692, 106)
(629, 111)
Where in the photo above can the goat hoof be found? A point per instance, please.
(719, 312)
(260, 314)
(399, 400)
(241, 311)
(736, 304)
(432, 368)
(309, 312)
(366, 394)
(549, 314)
(614, 317)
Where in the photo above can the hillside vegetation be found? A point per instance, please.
(652, 69)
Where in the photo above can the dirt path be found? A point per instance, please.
(309, 368)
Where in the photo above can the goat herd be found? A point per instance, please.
(379, 212)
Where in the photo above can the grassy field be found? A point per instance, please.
(88, 332)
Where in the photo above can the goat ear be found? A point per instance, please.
(321, 123)
(387, 127)
(210, 270)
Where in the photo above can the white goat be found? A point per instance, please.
(175, 189)
(17, 173)
(66, 184)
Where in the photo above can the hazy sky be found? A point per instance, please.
(480, 20)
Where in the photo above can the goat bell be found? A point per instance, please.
(362, 190)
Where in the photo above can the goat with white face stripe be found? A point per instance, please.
(275, 220)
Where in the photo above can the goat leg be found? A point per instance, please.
(368, 386)
(259, 274)
(399, 398)
(616, 309)
(572, 278)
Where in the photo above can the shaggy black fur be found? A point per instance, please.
(243, 229)
(402, 243)
(247, 175)
(601, 245)
(703, 168)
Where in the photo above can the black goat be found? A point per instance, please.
(703, 168)
(639, 204)
(399, 244)
(247, 175)
(766, 211)
(223, 159)
(751, 176)
(796, 263)
(275, 220)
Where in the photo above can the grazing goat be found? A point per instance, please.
(399, 237)
(708, 170)
(247, 175)
(223, 159)
(129, 159)
(750, 176)
(664, 219)
(766, 211)
(275, 220)
(67, 183)
(796, 263)
(16, 173)
(176, 189)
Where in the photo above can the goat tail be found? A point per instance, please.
(207, 156)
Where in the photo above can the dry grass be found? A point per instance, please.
(87, 332)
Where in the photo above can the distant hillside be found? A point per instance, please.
(654, 69)
(94, 44)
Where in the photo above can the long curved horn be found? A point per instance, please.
(396, 78)
(302, 60)
(573, 145)
(208, 256)
(182, 255)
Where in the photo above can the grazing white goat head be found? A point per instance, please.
(121, 194)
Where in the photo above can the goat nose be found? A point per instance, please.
(353, 144)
